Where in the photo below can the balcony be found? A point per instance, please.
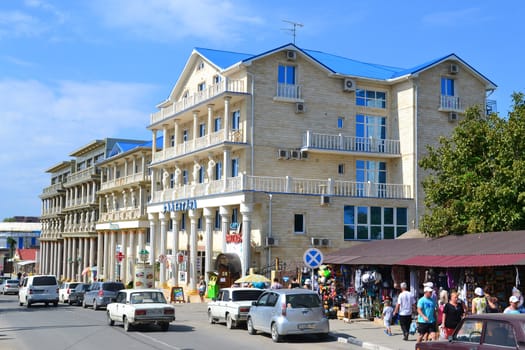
(201, 143)
(225, 86)
(450, 104)
(340, 143)
(288, 185)
(52, 190)
(123, 214)
(81, 176)
(288, 92)
(124, 181)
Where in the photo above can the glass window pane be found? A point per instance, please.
(349, 232)
(388, 216)
(388, 232)
(349, 215)
(362, 215)
(400, 230)
(362, 232)
(375, 215)
(280, 74)
(375, 232)
(401, 216)
(298, 223)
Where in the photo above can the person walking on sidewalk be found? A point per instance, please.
(426, 319)
(387, 317)
(404, 308)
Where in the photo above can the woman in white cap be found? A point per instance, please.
(513, 306)
(481, 302)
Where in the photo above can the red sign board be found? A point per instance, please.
(120, 256)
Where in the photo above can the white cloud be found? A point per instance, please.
(42, 124)
(166, 20)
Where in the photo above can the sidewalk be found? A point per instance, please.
(370, 335)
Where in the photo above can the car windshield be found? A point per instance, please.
(302, 300)
(114, 287)
(44, 281)
(244, 295)
(147, 297)
(12, 281)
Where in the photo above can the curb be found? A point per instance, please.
(362, 344)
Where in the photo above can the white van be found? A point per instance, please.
(38, 289)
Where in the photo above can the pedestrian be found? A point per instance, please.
(482, 302)
(426, 319)
(443, 300)
(404, 308)
(388, 312)
(513, 306)
(294, 283)
(453, 312)
(276, 284)
(307, 284)
(202, 288)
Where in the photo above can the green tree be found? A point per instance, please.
(477, 175)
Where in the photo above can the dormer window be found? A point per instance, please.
(200, 65)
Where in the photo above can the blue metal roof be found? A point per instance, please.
(335, 64)
(123, 146)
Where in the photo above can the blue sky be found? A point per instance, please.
(75, 71)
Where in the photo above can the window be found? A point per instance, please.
(374, 223)
(217, 124)
(183, 222)
(202, 130)
(172, 140)
(236, 120)
(217, 220)
(216, 79)
(202, 171)
(286, 74)
(340, 122)
(235, 167)
(200, 65)
(298, 223)
(172, 180)
(235, 217)
(201, 86)
(185, 135)
(369, 98)
(185, 177)
(371, 178)
(447, 86)
(341, 169)
(218, 170)
(185, 94)
(199, 224)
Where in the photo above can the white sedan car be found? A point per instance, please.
(140, 306)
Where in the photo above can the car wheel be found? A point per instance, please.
(95, 306)
(47, 304)
(210, 318)
(230, 324)
(276, 337)
(127, 325)
(249, 325)
(165, 326)
(70, 302)
(109, 320)
(28, 304)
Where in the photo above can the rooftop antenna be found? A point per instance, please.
(294, 29)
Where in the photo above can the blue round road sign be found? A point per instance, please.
(313, 258)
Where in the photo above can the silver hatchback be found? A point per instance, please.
(282, 312)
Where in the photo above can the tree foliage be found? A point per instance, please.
(477, 175)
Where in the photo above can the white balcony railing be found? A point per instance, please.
(286, 185)
(123, 181)
(450, 103)
(289, 91)
(227, 85)
(350, 143)
(81, 176)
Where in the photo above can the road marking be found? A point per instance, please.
(158, 341)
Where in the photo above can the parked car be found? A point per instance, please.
(77, 295)
(100, 294)
(38, 289)
(484, 332)
(135, 307)
(288, 311)
(232, 305)
(65, 289)
(9, 286)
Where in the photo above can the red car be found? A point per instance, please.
(484, 332)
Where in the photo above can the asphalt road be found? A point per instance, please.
(75, 328)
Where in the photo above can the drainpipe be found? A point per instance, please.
(416, 169)
(270, 229)
(252, 112)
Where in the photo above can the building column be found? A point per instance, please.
(209, 123)
(194, 215)
(79, 259)
(246, 211)
(163, 217)
(85, 259)
(64, 259)
(208, 254)
(60, 271)
(92, 247)
(195, 127)
(106, 267)
(112, 255)
(175, 218)
(100, 253)
(225, 213)
(124, 264)
(132, 254)
(226, 117)
(153, 219)
(226, 168)
(74, 255)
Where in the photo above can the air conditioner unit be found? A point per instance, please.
(452, 117)
(304, 155)
(291, 55)
(316, 241)
(295, 154)
(325, 200)
(349, 85)
(300, 107)
(325, 242)
(453, 69)
(283, 154)
(270, 241)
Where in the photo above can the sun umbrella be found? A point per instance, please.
(253, 278)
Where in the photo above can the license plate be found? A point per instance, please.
(306, 326)
(154, 312)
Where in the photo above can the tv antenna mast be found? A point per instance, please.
(294, 29)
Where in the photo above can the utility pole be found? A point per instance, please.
(294, 29)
